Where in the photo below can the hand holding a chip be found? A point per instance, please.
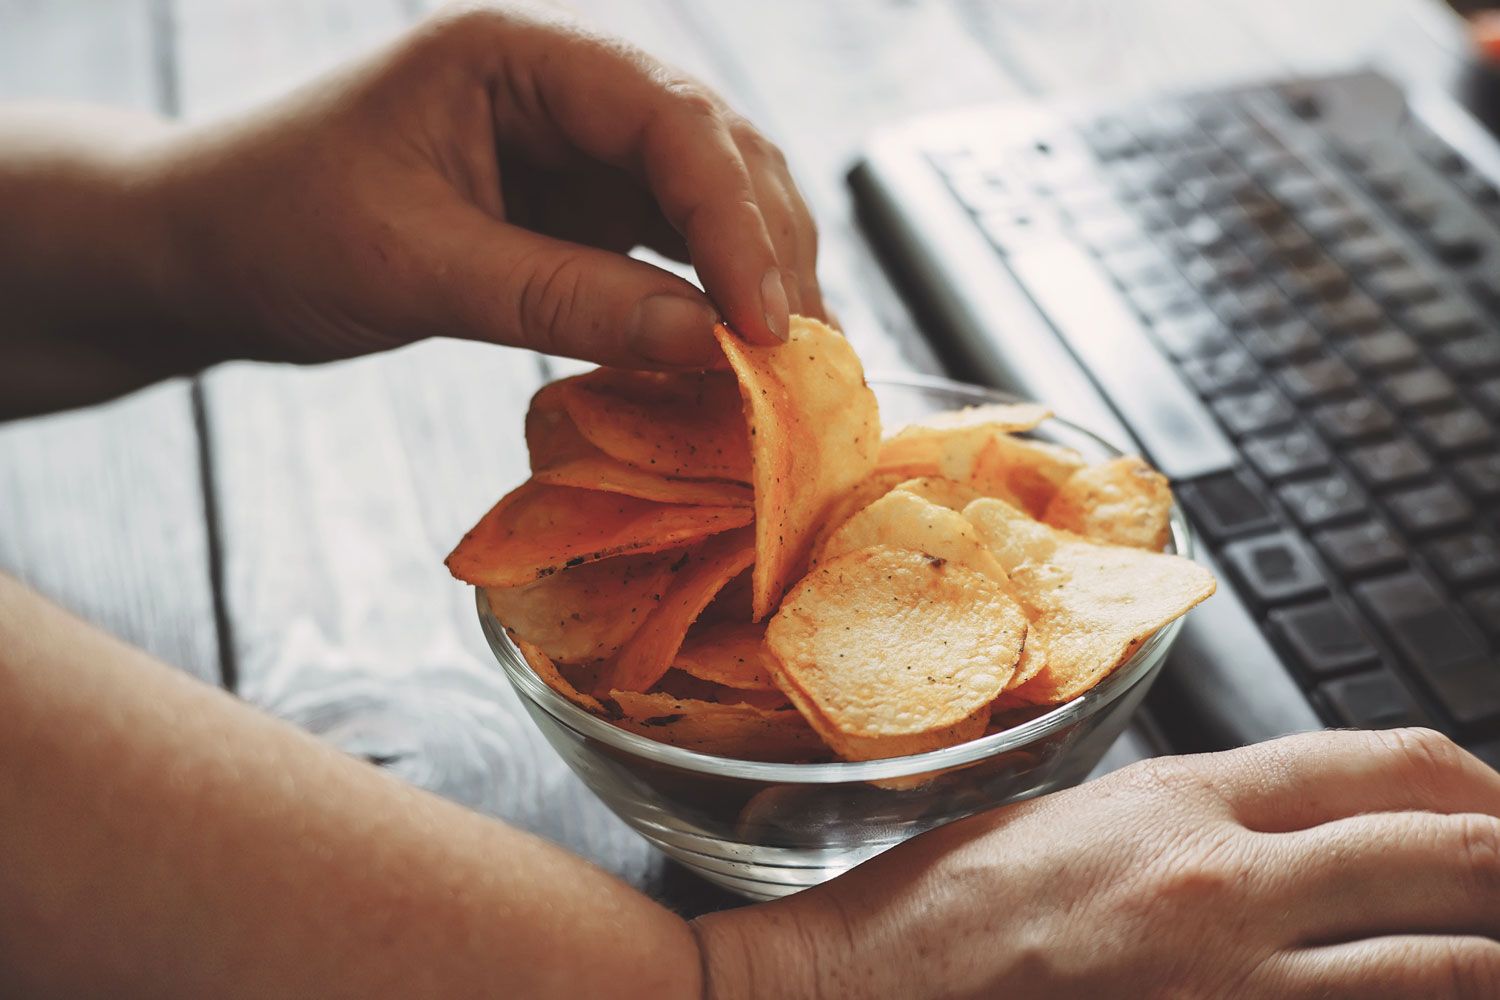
(483, 177)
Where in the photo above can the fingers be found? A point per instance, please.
(619, 106)
(508, 285)
(1416, 967)
(1301, 781)
(1385, 873)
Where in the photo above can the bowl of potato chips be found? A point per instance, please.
(780, 618)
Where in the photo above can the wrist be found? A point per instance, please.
(781, 949)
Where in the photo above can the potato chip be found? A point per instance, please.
(562, 456)
(687, 425)
(733, 654)
(1088, 602)
(942, 491)
(544, 668)
(890, 647)
(742, 731)
(1122, 501)
(538, 529)
(587, 612)
(814, 432)
(643, 659)
(903, 520)
(1019, 469)
(857, 497)
(917, 443)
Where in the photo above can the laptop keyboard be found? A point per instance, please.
(1334, 304)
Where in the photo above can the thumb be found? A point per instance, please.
(513, 286)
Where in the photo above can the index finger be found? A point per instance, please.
(618, 105)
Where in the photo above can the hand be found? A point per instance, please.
(483, 178)
(1331, 865)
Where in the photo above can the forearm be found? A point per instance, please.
(84, 260)
(161, 839)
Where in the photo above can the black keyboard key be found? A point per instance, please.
(1487, 395)
(1316, 502)
(1352, 420)
(1226, 505)
(1310, 279)
(1292, 453)
(1373, 700)
(1160, 302)
(1484, 605)
(1438, 641)
(1227, 370)
(1366, 253)
(1452, 241)
(1453, 432)
(1350, 314)
(1250, 306)
(1325, 638)
(1420, 388)
(1274, 569)
(1280, 342)
(1401, 285)
(1423, 510)
(1471, 357)
(1317, 380)
(1191, 334)
(1442, 319)
(1362, 549)
(1390, 463)
(1333, 222)
(1251, 412)
(1380, 350)
(1467, 559)
(1480, 476)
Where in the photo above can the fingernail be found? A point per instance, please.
(773, 301)
(672, 330)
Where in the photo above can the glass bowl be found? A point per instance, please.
(765, 830)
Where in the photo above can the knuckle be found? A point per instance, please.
(691, 98)
(550, 302)
(1169, 776)
(1424, 755)
(1479, 854)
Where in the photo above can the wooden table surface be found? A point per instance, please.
(281, 530)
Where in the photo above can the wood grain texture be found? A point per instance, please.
(102, 509)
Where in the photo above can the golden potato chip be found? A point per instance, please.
(1122, 501)
(1088, 602)
(687, 425)
(648, 653)
(814, 432)
(904, 520)
(942, 491)
(587, 612)
(733, 654)
(886, 645)
(917, 443)
(857, 747)
(562, 456)
(1024, 472)
(537, 529)
(742, 731)
(547, 671)
(857, 497)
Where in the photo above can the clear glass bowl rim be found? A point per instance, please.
(525, 680)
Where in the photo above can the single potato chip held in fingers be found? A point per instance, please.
(1088, 602)
(687, 425)
(814, 432)
(587, 612)
(890, 647)
(704, 572)
(537, 529)
(1122, 501)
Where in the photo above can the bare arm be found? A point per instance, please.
(161, 839)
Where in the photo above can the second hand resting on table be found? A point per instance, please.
(482, 177)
